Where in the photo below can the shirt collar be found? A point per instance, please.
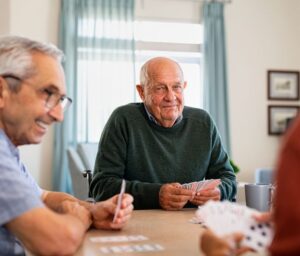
(11, 146)
(152, 118)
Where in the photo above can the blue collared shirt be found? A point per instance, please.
(19, 193)
(152, 118)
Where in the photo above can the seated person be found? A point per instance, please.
(32, 97)
(159, 144)
(286, 215)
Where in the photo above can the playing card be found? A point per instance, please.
(210, 184)
(258, 236)
(132, 248)
(123, 185)
(225, 218)
(109, 239)
(198, 186)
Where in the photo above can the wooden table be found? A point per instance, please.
(170, 229)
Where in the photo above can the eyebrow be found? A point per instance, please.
(164, 84)
(54, 88)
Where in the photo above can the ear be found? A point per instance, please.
(3, 88)
(184, 84)
(140, 90)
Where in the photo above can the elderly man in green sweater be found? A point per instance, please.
(160, 144)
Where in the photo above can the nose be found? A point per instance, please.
(57, 113)
(170, 95)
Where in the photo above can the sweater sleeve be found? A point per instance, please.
(110, 168)
(220, 167)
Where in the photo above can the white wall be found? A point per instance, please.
(37, 19)
(261, 35)
(166, 10)
(4, 17)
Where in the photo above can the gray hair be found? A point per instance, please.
(16, 56)
(145, 78)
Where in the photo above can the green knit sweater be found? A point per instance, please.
(148, 155)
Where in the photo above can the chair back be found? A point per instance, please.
(79, 183)
(87, 153)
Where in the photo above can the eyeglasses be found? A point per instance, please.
(52, 98)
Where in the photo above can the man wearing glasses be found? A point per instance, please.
(159, 144)
(32, 97)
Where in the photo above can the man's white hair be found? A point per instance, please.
(145, 78)
(16, 56)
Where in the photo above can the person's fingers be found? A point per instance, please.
(126, 211)
(263, 217)
(241, 251)
(198, 203)
(209, 192)
(173, 197)
(179, 198)
(177, 205)
(120, 222)
(184, 192)
(238, 237)
(177, 201)
(174, 205)
(114, 199)
(200, 199)
(171, 205)
(127, 200)
(214, 245)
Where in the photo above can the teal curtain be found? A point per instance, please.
(215, 69)
(98, 41)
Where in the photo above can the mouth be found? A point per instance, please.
(170, 106)
(42, 125)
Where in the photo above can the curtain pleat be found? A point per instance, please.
(93, 35)
(215, 68)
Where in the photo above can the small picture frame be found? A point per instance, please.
(280, 117)
(283, 85)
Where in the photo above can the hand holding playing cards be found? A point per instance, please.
(226, 219)
(173, 197)
(103, 212)
(205, 195)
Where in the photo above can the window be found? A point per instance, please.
(180, 41)
(112, 77)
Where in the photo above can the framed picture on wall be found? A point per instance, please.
(280, 117)
(283, 85)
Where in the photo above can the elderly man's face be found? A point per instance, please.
(24, 116)
(164, 97)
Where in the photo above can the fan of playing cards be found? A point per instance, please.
(197, 186)
(226, 218)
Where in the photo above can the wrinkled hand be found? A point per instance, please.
(76, 210)
(229, 245)
(173, 197)
(203, 196)
(103, 212)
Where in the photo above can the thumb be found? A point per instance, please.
(110, 207)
